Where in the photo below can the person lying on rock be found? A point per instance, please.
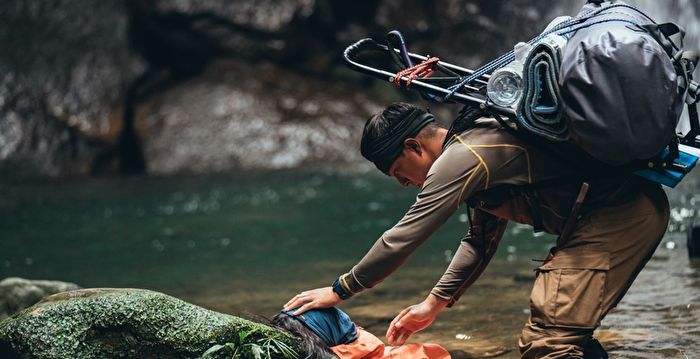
(479, 167)
(327, 333)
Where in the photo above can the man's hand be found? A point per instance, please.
(313, 299)
(414, 319)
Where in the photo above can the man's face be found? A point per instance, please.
(411, 167)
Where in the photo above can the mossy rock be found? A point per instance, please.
(122, 323)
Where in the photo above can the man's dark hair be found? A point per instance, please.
(313, 345)
(377, 144)
(380, 124)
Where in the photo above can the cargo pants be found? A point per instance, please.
(589, 274)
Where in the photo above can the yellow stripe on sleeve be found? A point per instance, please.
(527, 156)
(481, 160)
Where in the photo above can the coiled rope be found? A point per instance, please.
(423, 70)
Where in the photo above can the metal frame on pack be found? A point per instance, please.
(459, 84)
(438, 86)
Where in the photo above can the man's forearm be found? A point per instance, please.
(385, 256)
(471, 258)
(465, 265)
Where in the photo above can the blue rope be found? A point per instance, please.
(561, 29)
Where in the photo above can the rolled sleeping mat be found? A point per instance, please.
(540, 109)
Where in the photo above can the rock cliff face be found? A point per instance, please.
(224, 120)
(64, 66)
(125, 323)
(162, 86)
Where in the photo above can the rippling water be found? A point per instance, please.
(245, 244)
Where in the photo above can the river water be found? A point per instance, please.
(244, 244)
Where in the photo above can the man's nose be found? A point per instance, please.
(401, 180)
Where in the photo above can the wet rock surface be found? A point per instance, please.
(225, 120)
(76, 76)
(18, 293)
(122, 323)
(63, 70)
(265, 15)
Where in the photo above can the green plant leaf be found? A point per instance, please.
(257, 351)
(279, 346)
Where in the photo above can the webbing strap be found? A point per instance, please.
(573, 215)
(662, 34)
(692, 97)
(404, 60)
(535, 209)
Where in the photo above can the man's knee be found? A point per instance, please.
(569, 290)
(566, 305)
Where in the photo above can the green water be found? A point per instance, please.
(246, 243)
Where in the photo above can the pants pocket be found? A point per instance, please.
(569, 289)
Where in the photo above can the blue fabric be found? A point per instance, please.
(331, 324)
(667, 177)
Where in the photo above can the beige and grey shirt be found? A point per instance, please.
(484, 166)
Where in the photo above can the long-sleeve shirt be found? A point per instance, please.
(485, 167)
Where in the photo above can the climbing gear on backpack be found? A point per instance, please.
(606, 88)
(422, 70)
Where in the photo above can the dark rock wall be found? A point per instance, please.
(171, 86)
(225, 119)
(63, 69)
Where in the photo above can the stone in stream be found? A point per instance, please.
(694, 239)
(126, 323)
(19, 293)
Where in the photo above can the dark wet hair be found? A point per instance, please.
(380, 124)
(384, 132)
(313, 345)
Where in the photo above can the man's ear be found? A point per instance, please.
(413, 145)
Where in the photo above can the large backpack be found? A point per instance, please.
(603, 90)
(619, 88)
(616, 89)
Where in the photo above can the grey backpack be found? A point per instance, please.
(616, 89)
(619, 88)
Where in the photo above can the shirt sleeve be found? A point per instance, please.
(472, 256)
(455, 175)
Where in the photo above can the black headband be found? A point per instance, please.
(383, 151)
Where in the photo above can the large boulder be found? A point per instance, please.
(18, 293)
(227, 119)
(126, 323)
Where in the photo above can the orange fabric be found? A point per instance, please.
(368, 346)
